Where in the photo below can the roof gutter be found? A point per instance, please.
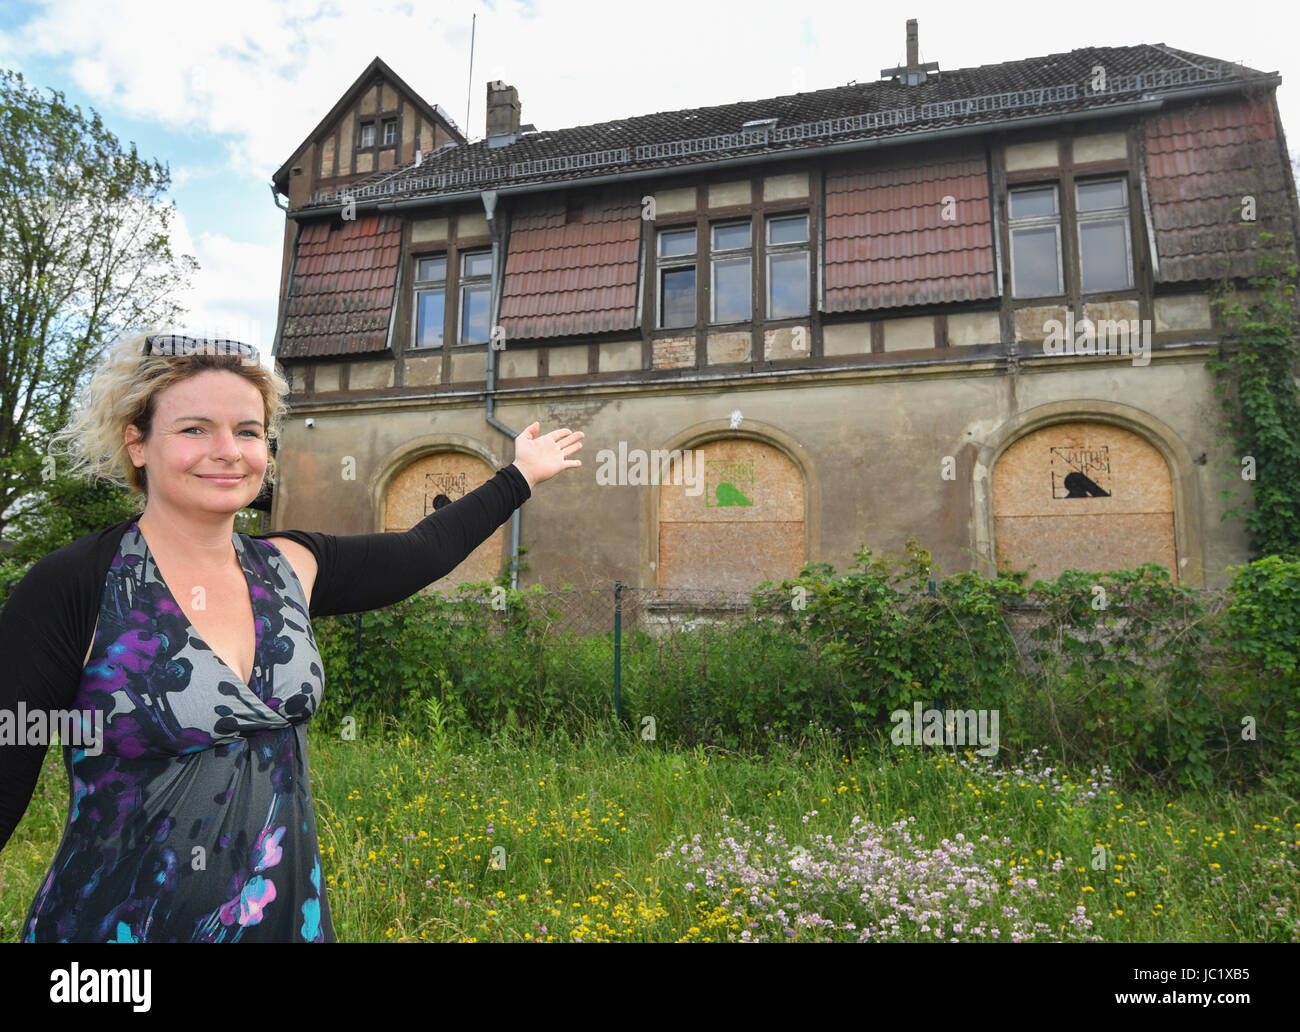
(498, 282)
(1135, 107)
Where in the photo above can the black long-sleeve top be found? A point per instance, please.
(49, 620)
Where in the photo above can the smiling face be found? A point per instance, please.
(206, 454)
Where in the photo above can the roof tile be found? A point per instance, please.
(1201, 160)
(886, 230)
(806, 119)
(342, 291)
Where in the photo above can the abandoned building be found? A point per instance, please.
(966, 306)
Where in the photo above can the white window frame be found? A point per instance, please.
(1052, 221)
(428, 287)
(465, 283)
(778, 250)
(730, 256)
(674, 263)
(1117, 214)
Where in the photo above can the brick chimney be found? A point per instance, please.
(502, 114)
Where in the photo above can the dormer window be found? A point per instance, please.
(677, 277)
(731, 273)
(367, 134)
(1035, 225)
(1105, 254)
(1037, 221)
(390, 131)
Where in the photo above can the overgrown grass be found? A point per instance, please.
(591, 830)
(1127, 668)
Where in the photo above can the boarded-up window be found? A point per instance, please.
(430, 483)
(1082, 496)
(745, 525)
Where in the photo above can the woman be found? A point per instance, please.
(191, 647)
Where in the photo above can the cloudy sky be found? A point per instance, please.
(224, 92)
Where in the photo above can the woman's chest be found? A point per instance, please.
(221, 612)
(186, 658)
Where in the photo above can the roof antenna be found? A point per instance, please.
(469, 89)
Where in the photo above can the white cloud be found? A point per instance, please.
(235, 291)
(262, 73)
(258, 75)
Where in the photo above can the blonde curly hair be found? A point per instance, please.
(124, 390)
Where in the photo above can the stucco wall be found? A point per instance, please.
(878, 455)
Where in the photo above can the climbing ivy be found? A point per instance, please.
(1256, 380)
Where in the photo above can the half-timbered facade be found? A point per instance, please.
(970, 307)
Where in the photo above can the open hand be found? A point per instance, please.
(540, 458)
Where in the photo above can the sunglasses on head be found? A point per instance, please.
(177, 344)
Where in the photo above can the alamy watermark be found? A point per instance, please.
(74, 984)
(83, 729)
(946, 727)
(637, 467)
(1104, 337)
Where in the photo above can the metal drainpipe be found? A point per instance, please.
(489, 207)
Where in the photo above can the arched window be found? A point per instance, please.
(428, 484)
(1082, 496)
(735, 519)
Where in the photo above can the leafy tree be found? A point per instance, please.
(85, 256)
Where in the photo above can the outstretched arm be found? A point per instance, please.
(356, 572)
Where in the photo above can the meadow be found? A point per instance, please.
(473, 780)
(439, 834)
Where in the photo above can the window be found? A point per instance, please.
(390, 130)
(432, 287)
(1034, 221)
(1105, 258)
(787, 266)
(759, 267)
(677, 277)
(731, 273)
(367, 134)
(475, 296)
(430, 301)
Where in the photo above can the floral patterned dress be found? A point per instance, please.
(194, 822)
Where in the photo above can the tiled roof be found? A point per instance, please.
(1201, 160)
(988, 94)
(572, 269)
(572, 277)
(888, 242)
(342, 289)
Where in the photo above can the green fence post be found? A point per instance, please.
(618, 654)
